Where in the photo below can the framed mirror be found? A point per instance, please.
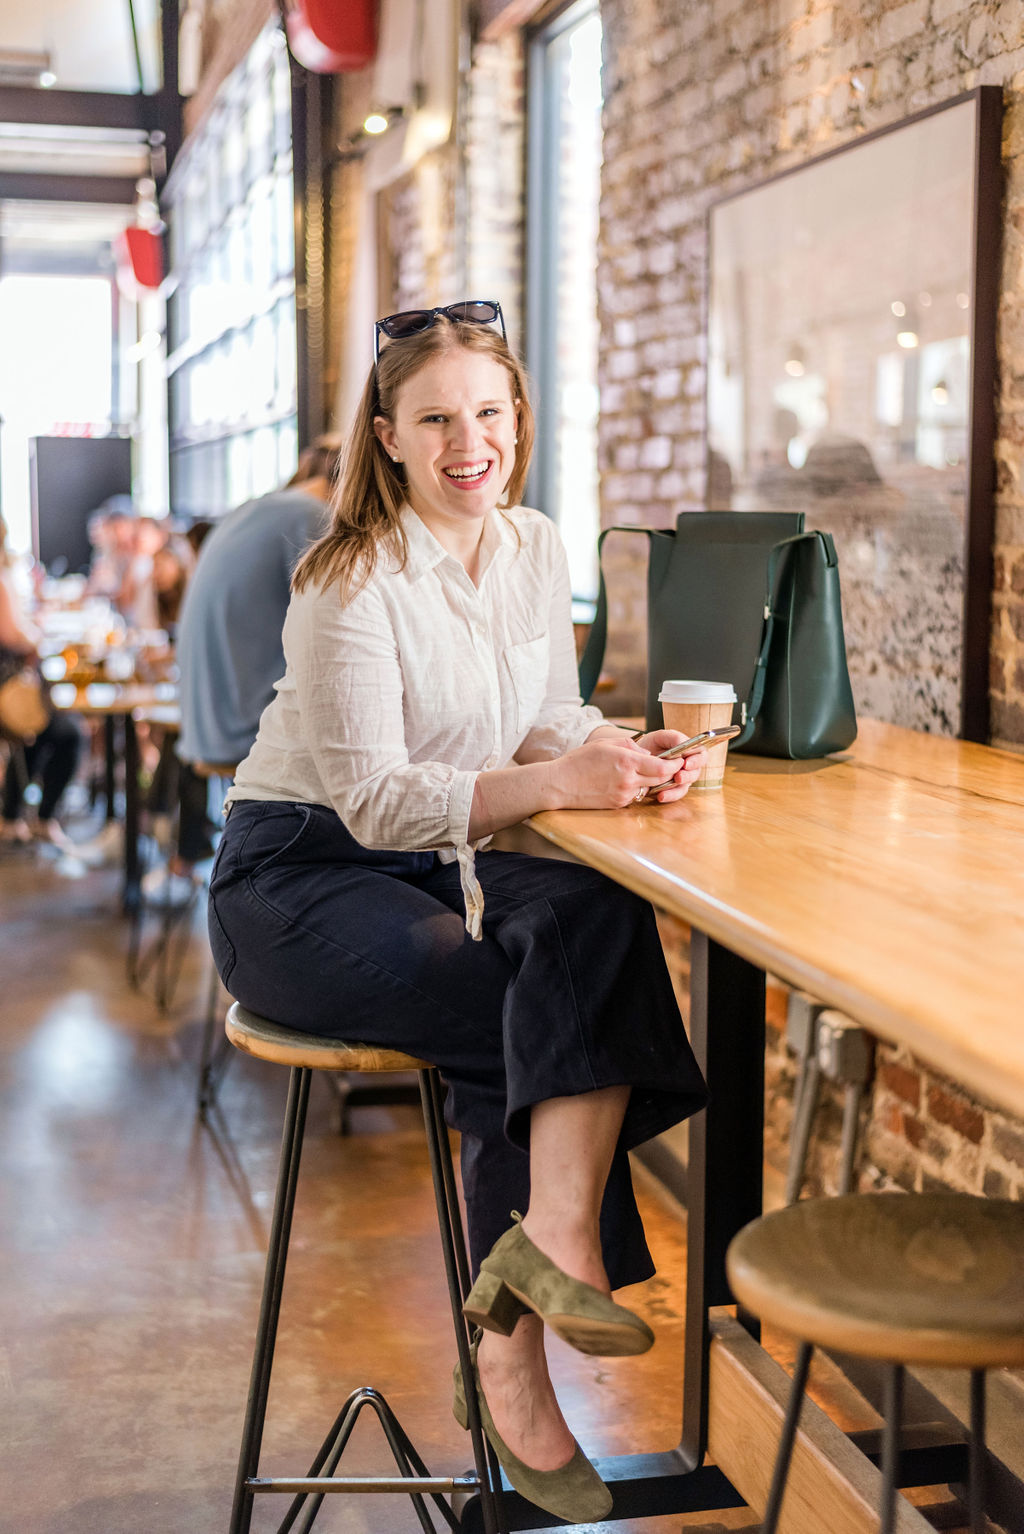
(851, 375)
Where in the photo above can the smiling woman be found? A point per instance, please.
(455, 433)
(431, 699)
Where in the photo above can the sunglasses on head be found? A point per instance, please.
(412, 322)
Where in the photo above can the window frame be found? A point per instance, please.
(541, 328)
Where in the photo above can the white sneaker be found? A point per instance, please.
(160, 887)
(107, 846)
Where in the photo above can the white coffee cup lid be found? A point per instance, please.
(696, 692)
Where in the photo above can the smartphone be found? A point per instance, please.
(695, 742)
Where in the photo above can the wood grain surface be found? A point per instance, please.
(887, 881)
(832, 1488)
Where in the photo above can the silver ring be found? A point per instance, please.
(641, 793)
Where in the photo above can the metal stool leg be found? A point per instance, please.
(270, 1307)
(214, 1055)
(891, 1446)
(789, 1426)
(457, 1272)
(976, 1493)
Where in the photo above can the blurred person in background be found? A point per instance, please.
(137, 598)
(112, 535)
(52, 756)
(173, 564)
(229, 647)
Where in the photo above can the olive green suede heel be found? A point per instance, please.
(516, 1275)
(492, 1305)
(575, 1492)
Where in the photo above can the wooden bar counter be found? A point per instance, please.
(887, 881)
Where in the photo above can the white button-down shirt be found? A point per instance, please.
(392, 703)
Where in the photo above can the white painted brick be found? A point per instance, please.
(979, 36)
(901, 22)
(656, 453)
(622, 364)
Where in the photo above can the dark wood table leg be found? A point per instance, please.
(131, 894)
(110, 765)
(724, 1190)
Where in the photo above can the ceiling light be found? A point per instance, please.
(906, 339)
(47, 79)
(376, 123)
(898, 308)
(940, 392)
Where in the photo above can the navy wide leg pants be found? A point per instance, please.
(567, 991)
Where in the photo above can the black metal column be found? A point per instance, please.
(725, 1167)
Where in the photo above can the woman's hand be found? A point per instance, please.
(610, 773)
(689, 766)
(607, 772)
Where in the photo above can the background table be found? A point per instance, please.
(124, 701)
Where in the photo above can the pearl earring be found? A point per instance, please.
(395, 458)
(515, 441)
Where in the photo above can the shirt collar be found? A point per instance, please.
(425, 552)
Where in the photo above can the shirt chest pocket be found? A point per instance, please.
(527, 668)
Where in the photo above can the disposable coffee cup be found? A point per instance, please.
(695, 706)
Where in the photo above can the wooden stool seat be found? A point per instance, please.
(930, 1278)
(224, 770)
(309, 1051)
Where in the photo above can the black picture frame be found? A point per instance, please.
(798, 265)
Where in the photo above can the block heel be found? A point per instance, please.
(492, 1305)
(515, 1273)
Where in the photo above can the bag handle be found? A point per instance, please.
(753, 704)
(593, 653)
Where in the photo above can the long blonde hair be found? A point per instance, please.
(366, 505)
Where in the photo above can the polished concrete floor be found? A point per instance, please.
(133, 1238)
(132, 1255)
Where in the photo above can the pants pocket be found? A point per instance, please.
(221, 946)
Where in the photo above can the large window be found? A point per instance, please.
(562, 325)
(56, 374)
(231, 316)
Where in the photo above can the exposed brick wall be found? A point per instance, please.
(706, 99)
(453, 227)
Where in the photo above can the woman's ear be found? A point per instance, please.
(385, 433)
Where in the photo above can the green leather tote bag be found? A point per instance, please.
(748, 598)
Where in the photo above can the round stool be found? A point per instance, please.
(305, 1053)
(933, 1279)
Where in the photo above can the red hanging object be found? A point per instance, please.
(332, 37)
(140, 257)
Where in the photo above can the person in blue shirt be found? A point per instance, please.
(229, 649)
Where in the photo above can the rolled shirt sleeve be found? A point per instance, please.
(344, 665)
